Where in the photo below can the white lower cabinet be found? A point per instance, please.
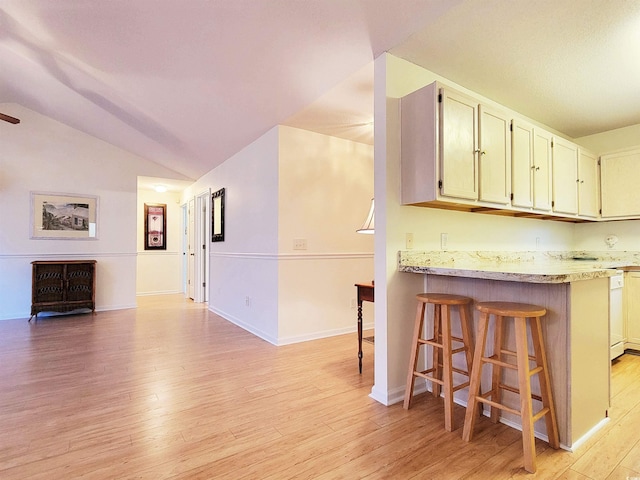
(632, 301)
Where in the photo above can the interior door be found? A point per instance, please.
(204, 261)
(191, 265)
(200, 247)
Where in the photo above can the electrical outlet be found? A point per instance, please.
(444, 240)
(537, 243)
(247, 301)
(299, 243)
(409, 241)
(354, 303)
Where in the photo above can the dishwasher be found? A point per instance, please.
(616, 325)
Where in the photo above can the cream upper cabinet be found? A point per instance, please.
(494, 157)
(419, 142)
(588, 191)
(620, 178)
(459, 145)
(440, 149)
(457, 152)
(542, 169)
(565, 176)
(522, 164)
(530, 167)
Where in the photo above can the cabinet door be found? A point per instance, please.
(494, 162)
(632, 300)
(588, 198)
(541, 169)
(48, 283)
(620, 177)
(565, 176)
(522, 164)
(458, 143)
(79, 279)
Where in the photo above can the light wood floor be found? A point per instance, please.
(171, 391)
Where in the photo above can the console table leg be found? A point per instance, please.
(360, 335)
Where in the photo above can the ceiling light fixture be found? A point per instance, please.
(160, 188)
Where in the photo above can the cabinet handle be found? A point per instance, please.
(481, 152)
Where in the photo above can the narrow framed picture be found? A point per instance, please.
(64, 216)
(217, 216)
(155, 226)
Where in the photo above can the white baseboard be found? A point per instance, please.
(245, 326)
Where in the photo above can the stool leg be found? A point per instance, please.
(413, 360)
(437, 352)
(496, 370)
(524, 385)
(474, 382)
(465, 325)
(447, 368)
(545, 384)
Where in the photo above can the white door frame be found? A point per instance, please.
(201, 246)
(191, 249)
(185, 243)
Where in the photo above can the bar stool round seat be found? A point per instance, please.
(440, 374)
(519, 313)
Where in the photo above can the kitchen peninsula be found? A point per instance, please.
(574, 288)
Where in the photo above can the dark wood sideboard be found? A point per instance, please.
(63, 286)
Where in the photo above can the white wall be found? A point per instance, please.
(160, 271)
(613, 140)
(288, 184)
(325, 187)
(246, 263)
(41, 154)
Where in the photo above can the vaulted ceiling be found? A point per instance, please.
(189, 83)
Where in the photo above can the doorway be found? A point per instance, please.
(196, 248)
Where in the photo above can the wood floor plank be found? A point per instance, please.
(172, 391)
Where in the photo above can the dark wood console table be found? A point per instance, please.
(63, 286)
(365, 294)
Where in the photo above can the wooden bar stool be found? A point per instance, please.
(519, 312)
(442, 369)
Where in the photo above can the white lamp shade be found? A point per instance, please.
(368, 225)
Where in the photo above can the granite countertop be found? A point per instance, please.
(528, 267)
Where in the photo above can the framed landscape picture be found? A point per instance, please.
(64, 216)
(155, 226)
